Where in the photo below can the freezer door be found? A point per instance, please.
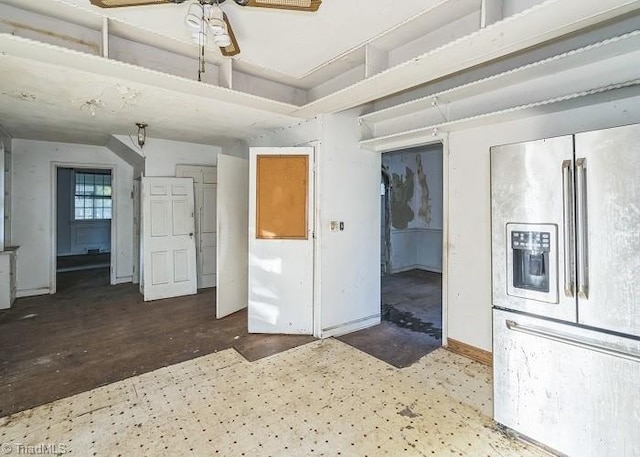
(572, 389)
(608, 228)
(532, 210)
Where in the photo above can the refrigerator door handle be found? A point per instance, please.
(582, 233)
(567, 212)
(571, 340)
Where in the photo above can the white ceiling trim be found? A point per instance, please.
(541, 23)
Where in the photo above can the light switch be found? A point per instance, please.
(341, 226)
(334, 225)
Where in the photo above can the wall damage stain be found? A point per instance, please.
(402, 189)
(128, 96)
(20, 95)
(425, 201)
(92, 105)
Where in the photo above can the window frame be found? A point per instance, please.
(94, 198)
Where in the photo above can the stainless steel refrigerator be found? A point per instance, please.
(566, 291)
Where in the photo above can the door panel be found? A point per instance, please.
(169, 266)
(232, 235)
(281, 261)
(611, 192)
(530, 191)
(208, 237)
(204, 183)
(181, 224)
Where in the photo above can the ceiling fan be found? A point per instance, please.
(210, 18)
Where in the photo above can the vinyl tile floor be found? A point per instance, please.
(325, 398)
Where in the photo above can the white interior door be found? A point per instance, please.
(281, 240)
(205, 189)
(168, 238)
(233, 236)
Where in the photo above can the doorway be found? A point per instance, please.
(412, 239)
(84, 213)
(411, 258)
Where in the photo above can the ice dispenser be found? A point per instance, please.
(532, 261)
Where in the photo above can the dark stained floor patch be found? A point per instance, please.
(91, 334)
(411, 319)
(405, 319)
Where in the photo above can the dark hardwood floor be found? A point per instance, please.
(90, 334)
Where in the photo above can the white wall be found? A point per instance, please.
(5, 185)
(348, 190)
(469, 267)
(162, 156)
(32, 207)
(416, 208)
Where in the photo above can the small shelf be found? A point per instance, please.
(596, 52)
(410, 137)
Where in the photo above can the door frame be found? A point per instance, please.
(316, 325)
(54, 218)
(442, 139)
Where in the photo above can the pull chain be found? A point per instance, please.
(201, 40)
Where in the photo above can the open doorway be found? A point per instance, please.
(411, 260)
(411, 240)
(84, 212)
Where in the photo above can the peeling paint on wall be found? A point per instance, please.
(92, 105)
(128, 95)
(20, 95)
(402, 189)
(425, 200)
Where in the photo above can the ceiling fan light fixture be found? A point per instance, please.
(216, 20)
(199, 37)
(222, 40)
(193, 19)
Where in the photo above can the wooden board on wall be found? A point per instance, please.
(282, 192)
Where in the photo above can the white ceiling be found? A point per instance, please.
(55, 103)
(289, 42)
(55, 93)
(87, 106)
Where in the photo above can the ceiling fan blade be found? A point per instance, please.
(122, 3)
(295, 5)
(233, 49)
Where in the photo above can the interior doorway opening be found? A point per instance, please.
(84, 213)
(411, 242)
(411, 258)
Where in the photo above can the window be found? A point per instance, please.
(92, 199)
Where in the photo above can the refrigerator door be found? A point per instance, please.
(608, 228)
(569, 388)
(532, 210)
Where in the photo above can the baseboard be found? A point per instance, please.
(416, 267)
(124, 279)
(349, 327)
(32, 292)
(471, 352)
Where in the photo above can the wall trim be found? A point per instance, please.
(429, 268)
(32, 292)
(471, 352)
(349, 327)
(123, 279)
